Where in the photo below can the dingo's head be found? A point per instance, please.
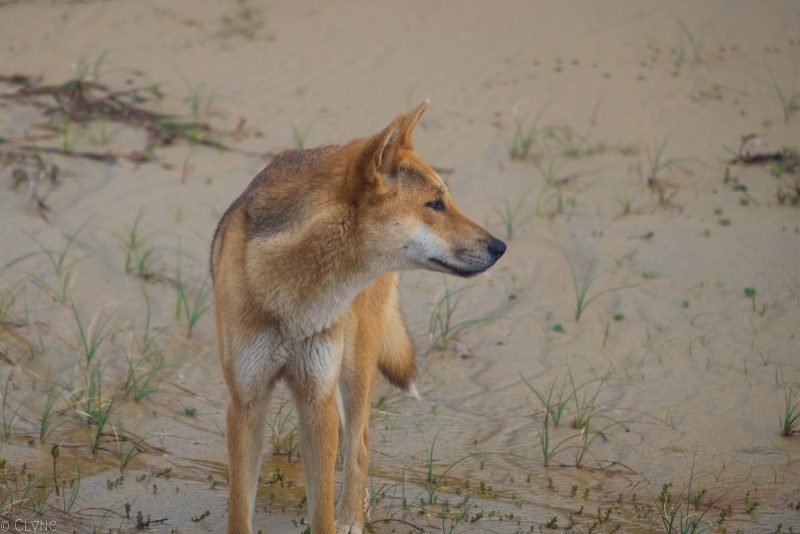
(404, 211)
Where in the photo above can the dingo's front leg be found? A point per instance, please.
(355, 387)
(312, 377)
(319, 441)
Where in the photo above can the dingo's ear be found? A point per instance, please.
(382, 146)
(410, 122)
(375, 159)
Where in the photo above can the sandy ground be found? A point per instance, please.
(673, 380)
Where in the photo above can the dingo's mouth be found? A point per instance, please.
(464, 273)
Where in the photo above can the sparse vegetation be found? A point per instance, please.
(790, 420)
(283, 426)
(299, 137)
(675, 515)
(790, 102)
(192, 303)
(584, 399)
(111, 395)
(443, 326)
(695, 43)
(750, 292)
(525, 135)
(625, 205)
(141, 258)
(91, 336)
(513, 218)
(582, 284)
(74, 106)
(657, 163)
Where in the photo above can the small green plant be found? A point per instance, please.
(790, 103)
(299, 136)
(442, 326)
(550, 173)
(586, 403)
(790, 421)
(96, 410)
(67, 139)
(61, 264)
(750, 292)
(85, 70)
(284, 431)
(128, 446)
(142, 522)
(695, 42)
(677, 517)
(199, 100)
(141, 259)
(91, 337)
(450, 521)
(657, 163)
(573, 145)
(104, 135)
(39, 492)
(584, 397)
(7, 414)
(554, 189)
(433, 482)
(549, 449)
(556, 406)
(586, 440)
(45, 419)
(581, 286)
(192, 304)
(625, 205)
(142, 377)
(512, 218)
(147, 341)
(70, 492)
(524, 137)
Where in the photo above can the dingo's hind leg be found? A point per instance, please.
(245, 436)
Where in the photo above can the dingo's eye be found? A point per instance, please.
(436, 205)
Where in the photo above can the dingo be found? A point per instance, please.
(304, 265)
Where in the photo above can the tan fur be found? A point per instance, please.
(305, 266)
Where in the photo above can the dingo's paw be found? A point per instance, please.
(348, 528)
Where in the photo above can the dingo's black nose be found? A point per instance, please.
(496, 248)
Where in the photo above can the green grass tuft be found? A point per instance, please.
(790, 421)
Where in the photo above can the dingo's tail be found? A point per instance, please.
(396, 357)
